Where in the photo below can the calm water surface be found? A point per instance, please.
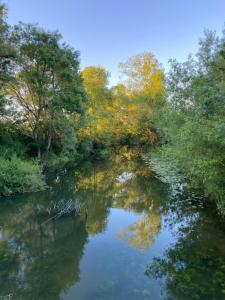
(110, 230)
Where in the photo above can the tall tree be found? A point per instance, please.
(7, 56)
(144, 76)
(95, 82)
(99, 114)
(48, 87)
(7, 51)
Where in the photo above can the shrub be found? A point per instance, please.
(20, 176)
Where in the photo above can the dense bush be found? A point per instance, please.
(19, 176)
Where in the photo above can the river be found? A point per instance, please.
(110, 230)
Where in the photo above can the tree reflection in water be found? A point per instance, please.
(42, 242)
(43, 235)
(194, 266)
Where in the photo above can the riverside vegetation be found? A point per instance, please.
(51, 112)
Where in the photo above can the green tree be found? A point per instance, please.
(48, 87)
(7, 50)
(192, 121)
(7, 58)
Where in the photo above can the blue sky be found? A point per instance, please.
(109, 31)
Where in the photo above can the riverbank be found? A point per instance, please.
(168, 169)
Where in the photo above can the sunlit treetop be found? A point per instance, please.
(144, 76)
(95, 82)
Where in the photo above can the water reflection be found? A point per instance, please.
(142, 234)
(194, 266)
(53, 245)
(43, 235)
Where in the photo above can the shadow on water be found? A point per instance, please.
(110, 230)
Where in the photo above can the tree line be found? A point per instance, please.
(51, 111)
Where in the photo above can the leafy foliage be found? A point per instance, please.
(48, 87)
(18, 176)
(123, 114)
(144, 76)
(192, 122)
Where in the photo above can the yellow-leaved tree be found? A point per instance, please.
(144, 83)
(144, 77)
(123, 113)
(99, 125)
(95, 83)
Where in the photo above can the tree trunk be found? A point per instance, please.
(39, 153)
(49, 141)
(50, 131)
